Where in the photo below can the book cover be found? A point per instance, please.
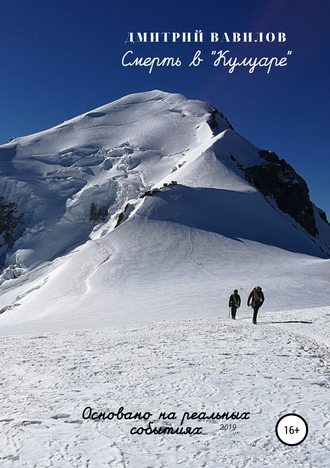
(164, 234)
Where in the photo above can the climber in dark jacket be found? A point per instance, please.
(255, 300)
(234, 303)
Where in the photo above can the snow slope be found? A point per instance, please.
(197, 239)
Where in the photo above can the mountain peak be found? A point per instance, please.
(144, 175)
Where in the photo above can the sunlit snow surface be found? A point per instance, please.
(279, 366)
(136, 315)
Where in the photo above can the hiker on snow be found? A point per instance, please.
(234, 303)
(256, 299)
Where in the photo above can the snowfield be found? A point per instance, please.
(203, 365)
(137, 222)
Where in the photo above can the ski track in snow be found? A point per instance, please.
(87, 280)
(199, 265)
(192, 365)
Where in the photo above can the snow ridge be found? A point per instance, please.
(151, 183)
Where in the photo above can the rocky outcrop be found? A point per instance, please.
(276, 179)
(213, 121)
(11, 223)
(97, 214)
(323, 216)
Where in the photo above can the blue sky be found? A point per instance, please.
(61, 58)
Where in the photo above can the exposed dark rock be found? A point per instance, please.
(238, 164)
(98, 213)
(11, 222)
(275, 178)
(269, 156)
(149, 193)
(121, 216)
(213, 121)
(120, 219)
(323, 216)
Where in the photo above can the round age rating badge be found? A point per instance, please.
(291, 429)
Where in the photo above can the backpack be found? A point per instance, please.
(257, 297)
(236, 300)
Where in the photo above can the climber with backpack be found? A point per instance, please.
(234, 303)
(255, 300)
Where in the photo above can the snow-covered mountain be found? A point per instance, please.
(151, 207)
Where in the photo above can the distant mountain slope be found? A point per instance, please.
(153, 198)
